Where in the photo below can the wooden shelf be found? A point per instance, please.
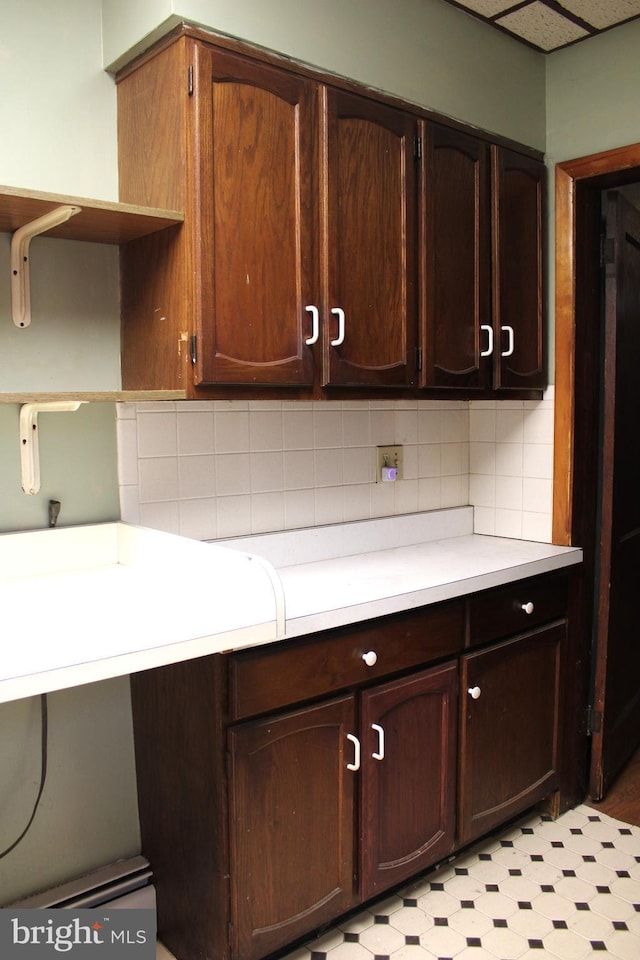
(99, 221)
(95, 396)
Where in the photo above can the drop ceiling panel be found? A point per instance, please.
(542, 27)
(548, 25)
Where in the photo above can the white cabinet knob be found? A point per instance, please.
(370, 658)
(528, 607)
(474, 692)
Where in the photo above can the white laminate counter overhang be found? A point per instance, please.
(81, 604)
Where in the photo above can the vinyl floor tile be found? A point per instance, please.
(543, 890)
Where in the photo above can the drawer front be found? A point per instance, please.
(267, 679)
(517, 607)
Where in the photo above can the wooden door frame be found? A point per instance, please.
(578, 321)
(602, 170)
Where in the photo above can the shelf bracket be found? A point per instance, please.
(29, 441)
(20, 276)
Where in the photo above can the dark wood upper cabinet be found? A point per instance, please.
(369, 237)
(319, 255)
(256, 220)
(518, 289)
(223, 301)
(455, 261)
(481, 265)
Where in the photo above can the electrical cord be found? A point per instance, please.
(44, 712)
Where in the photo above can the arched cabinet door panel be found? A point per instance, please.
(369, 237)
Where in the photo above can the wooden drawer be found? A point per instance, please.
(503, 612)
(268, 678)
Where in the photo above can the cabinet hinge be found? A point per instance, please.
(594, 721)
(418, 358)
(193, 349)
(417, 148)
(607, 250)
(190, 80)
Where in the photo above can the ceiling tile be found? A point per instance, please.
(602, 15)
(488, 8)
(542, 26)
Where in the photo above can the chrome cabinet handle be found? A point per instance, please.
(474, 692)
(510, 342)
(489, 331)
(356, 752)
(528, 607)
(315, 325)
(379, 753)
(339, 313)
(370, 658)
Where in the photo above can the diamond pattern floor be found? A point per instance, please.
(567, 889)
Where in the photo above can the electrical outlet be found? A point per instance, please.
(389, 457)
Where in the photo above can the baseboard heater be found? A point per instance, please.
(126, 883)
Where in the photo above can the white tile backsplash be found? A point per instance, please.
(511, 467)
(215, 469)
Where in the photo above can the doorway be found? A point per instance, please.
(577, 514)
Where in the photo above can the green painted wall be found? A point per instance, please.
(422, 50)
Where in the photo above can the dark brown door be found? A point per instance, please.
(518, 296)
(257, 207)
(370, 323)
(509, 713)
(617, 693)
(291, 830)
(455, 261)
(408, 776)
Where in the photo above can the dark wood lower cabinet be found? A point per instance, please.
(281, 787)
(509, 734)
(408, 777)
(292, 814)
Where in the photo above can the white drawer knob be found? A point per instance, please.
(474, 692)
(528, 607)
(370, 658)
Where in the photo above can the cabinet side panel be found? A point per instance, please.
(152, 131)
(180, 763)
(156, 321)
(157, 272)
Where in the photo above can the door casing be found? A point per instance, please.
(578, 187)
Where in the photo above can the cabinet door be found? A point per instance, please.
(256, 222)
(369, 237)
(408, 776)
(291, 829)
(518, 191)
(455, 260)
(509, 733)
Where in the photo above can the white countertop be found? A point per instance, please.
(357, 571)
(81, 604)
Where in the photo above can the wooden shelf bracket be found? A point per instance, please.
(20, 274)
(29, 441)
